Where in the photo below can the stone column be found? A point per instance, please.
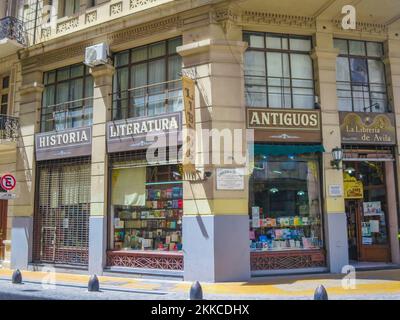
(21, 210)
(102, 99)
(8, 156)
(215, 224)
(333, 207)
(392, 63)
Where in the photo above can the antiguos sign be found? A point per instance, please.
(285, 125)
(367, 128)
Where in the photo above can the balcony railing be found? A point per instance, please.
(149, 100)
(9, 128)
(67, 115)
(13, 29)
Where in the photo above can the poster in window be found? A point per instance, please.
(255, 217)
(353, 189)
(374, 226)
(372, 208)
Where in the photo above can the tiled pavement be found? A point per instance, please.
(383, 284)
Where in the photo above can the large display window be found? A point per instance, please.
(147, 208)
(285, 203)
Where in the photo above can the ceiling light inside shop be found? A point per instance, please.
(301, 193)
(350, 170)
(274, 190)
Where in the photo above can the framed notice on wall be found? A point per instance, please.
(230, 178)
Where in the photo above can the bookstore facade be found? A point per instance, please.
(100, 197)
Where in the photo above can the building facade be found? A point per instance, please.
(318, 105)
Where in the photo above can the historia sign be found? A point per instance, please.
(69, 143)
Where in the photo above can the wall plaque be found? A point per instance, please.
(230, 178)
(65, 144)
(288, 125)
(139, 133)
(367, 128)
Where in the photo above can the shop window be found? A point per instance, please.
(360, 76)
(147, 80)
(67, 98)
(278, 71)
(285, 203)
(146, 214)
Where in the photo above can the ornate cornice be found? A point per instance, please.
(119, 37)
(267, 18)
(145, 29)
(364, 27)
(55, 56)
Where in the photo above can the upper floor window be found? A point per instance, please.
(147, 80)
(4, 91)
(67, 98)
(278, 71)
(360, 75)
(68, 7)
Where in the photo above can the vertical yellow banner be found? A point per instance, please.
(189, 140)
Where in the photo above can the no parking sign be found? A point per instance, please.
(8, 182)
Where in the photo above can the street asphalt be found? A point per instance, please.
(373, 285)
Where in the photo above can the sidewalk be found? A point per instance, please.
(383, 284)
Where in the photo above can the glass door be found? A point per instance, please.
(368, 211)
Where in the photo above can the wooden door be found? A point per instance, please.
(370, 252)
(3, 226)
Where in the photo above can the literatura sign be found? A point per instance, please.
(367, 128)
(139, 133)
(68, 143)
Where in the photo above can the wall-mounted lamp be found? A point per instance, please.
(337, 155)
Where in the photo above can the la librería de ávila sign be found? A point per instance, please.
(68, 143)
(367, 128)
(285, 125)
(139, 133)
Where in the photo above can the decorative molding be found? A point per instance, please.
(225, 14)
(45, 33)
(91, 17)
(364, 27)
(278, 19)
(140, 3)
(68, 25)
(147, 260)
(226, 17)
(287, 260)
(145, 29)
(115, 8)
(68, 52)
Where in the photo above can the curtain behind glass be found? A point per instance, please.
(129, 187)
(156, 92)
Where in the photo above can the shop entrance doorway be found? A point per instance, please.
(3, 227)
(366, 211)
(62, 214)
